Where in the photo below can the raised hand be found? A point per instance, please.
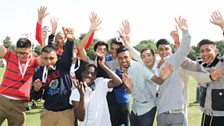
(37, 85)
(100, 59)
(69, 33)
(217, 19)
(95, 21)
(126, 27)
(166, 71)
(80, 86)
(125, 32)
(54, 25)
(127, 81)
(42, 14)
(182, 23)
(175, 35)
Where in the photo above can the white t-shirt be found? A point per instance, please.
(96, 107)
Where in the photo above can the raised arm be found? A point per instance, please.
(41, 15)
(199, 74)
(54, 25)
(175, 36)
(178, 57)
(217, 19)
(116, 81)
(95, 22)
(67, 55)
(125, 36)
(125, 32)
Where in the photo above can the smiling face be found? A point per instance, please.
(148, 58)
(208, 53)
(124, 59)
(164, 50)
(89, 75)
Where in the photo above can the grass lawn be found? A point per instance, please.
(194, 114)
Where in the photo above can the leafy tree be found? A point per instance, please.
(37, 49)
(8, 44)
(89, 51)
(192, 54)
(220, 46)
(146, 44)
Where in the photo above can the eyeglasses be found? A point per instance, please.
(23, 53)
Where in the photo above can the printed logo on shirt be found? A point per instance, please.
(52, 76)
(56, 88)
(53, 87)
(53, 84)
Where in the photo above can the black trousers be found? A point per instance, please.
(146, 119)
(119, 113)
(214, 121)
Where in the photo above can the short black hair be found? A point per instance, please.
(88, 65)
(162, 42)
(48, 49)
(122, 49)
(99, 43)
(205, 41)
(115, 41)
(144, 49)
(23, 43)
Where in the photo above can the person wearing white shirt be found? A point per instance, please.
(89, 96)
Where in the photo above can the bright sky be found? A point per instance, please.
(149, 19)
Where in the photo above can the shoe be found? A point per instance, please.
(28, 108)
(196, 102)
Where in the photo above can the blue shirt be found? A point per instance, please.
(121, 95)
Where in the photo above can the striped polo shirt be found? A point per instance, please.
(13, 84)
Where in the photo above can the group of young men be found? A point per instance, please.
(97, 92)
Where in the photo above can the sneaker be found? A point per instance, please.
(28, 108)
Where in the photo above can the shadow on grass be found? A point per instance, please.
(32, 112)
(35, 110)
(193, 104)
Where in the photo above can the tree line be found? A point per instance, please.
(142, 44)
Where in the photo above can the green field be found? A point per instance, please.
(194, 114)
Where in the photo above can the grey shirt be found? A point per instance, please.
(171, 92)
(211, 86)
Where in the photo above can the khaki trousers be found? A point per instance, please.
(61, 118)
(12, 110)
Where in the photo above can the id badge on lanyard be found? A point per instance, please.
(23, 71)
